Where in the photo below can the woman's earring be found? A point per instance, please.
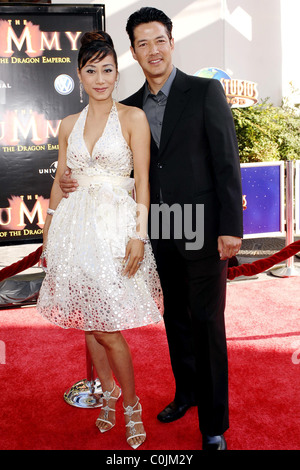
(116, 88)
(117, 82)
(81, 92)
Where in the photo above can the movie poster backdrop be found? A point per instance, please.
(38, 88)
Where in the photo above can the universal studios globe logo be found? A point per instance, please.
(64, 84)
(239, 93)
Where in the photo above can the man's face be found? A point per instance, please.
(153, 49)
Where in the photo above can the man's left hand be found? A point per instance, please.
(228, 246)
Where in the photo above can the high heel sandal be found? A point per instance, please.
(129, 411)
(107, 396)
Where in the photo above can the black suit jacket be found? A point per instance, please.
(197, 161)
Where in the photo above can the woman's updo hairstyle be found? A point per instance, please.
(95, 45)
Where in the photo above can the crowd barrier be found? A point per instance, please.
(247, 269)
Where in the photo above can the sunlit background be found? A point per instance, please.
(249, 39)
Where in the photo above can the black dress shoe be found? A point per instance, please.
(213, 443)
(172, 412)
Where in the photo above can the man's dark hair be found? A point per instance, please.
(147, 15)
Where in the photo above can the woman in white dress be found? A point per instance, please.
(101, 273)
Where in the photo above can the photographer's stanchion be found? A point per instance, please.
(86, 393)
(290, 269)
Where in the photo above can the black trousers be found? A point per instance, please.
(194, 296)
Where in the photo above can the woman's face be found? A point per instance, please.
(99, 78)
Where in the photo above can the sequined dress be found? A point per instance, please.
(84, 287)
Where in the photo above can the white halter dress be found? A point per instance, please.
(84, 287)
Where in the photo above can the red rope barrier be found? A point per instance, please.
(19, 266)
(248, 269)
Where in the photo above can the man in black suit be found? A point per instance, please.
(194, 164)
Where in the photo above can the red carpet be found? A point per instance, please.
(42, 361)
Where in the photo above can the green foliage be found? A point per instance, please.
(267, 133)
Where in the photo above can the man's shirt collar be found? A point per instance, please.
(165, 88)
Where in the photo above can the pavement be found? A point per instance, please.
(252, 249)
(23, 288)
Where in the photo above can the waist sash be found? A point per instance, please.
(123, 182)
